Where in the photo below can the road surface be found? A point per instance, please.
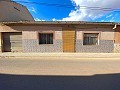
(59, 66)
(59, 74)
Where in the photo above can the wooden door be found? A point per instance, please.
(68, 40)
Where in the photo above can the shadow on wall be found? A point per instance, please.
(31, 82)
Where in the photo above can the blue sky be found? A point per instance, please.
(79, 10)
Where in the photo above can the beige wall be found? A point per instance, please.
(117, 40)
(58, 35)
(4, 28)
(32, 31)
(105, 33)
(29, 35)
(11, 11)
(117, 35)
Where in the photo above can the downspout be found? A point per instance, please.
(114, 37)
(115, 27)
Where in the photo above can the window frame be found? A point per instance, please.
(98, 34)
(46, 34)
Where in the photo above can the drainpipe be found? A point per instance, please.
(115, 26)
(114, 34)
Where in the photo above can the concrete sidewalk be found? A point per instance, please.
(70, 55)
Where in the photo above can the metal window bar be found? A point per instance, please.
(46, 38)
(90, 39)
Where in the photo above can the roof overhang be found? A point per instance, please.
(57, 23)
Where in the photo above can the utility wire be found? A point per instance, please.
(70, 6)
(47, 4)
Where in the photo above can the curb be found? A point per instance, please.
(60, 55)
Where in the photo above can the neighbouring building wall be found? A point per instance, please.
(117, 40)
(31, 39)
(12, 11)
(0, 42)
(105, 40)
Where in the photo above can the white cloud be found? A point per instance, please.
(102, 20)
(37, 19)
(32, 9)
(109, 16)
(54, 19)
(112, 19)
(80, 14)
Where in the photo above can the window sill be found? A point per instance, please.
(90, 45)
(46, 44)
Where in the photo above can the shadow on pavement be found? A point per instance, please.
(34, 82)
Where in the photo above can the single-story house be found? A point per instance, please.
(59, 36)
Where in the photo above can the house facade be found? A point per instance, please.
(70, 37)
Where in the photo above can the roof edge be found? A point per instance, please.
(57, 22)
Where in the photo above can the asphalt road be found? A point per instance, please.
(59, 66)
(59, 74)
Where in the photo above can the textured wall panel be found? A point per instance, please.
(105, 46)
(34, 46)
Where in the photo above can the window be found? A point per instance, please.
(90, 39)
(46, 38)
